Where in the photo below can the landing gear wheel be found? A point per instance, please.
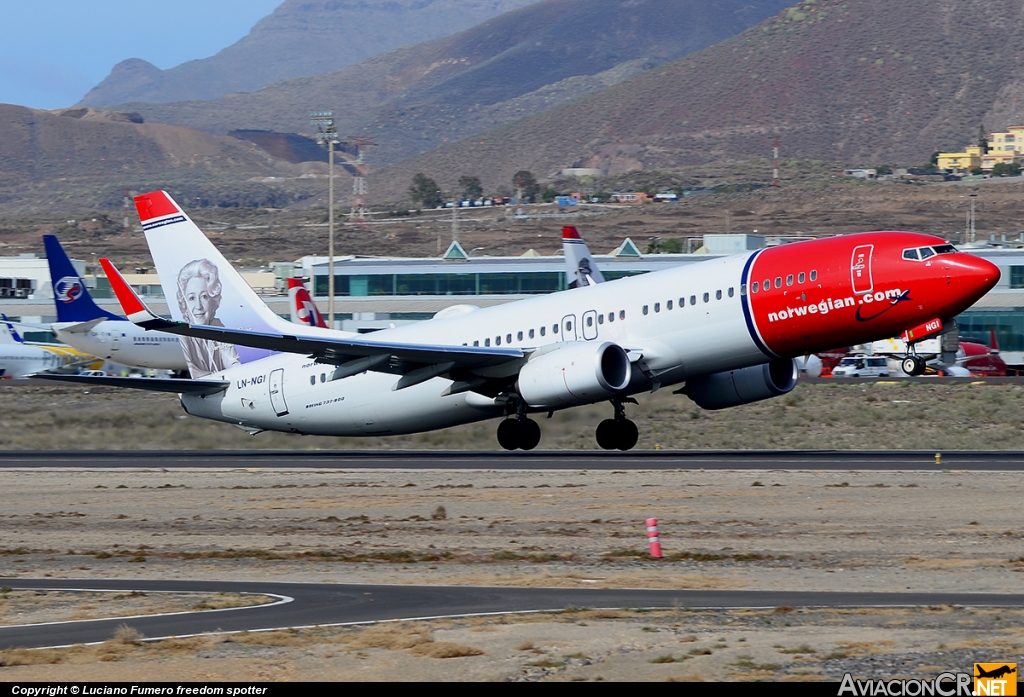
(607, 434)
(628, 435)
(617, 434)
(510, 434)
(529, 434)
(913, 365)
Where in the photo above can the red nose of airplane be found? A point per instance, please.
(977, 276)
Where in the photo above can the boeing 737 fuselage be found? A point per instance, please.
(727, 328)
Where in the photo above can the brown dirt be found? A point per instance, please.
(577, 645)
(30, 607)
(800, 531)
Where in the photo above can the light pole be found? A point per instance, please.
(326, 134)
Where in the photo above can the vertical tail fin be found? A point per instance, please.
(8, 334)
(304, 310)
(74, 304)
(201, 286)
(14, 336)
(580, 267)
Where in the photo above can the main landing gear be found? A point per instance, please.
(519, 432)
(619, 433)
(913, 365)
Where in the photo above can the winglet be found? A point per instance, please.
(569, 232)
(131, 303)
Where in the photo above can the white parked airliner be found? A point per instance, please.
(83, 324)
(728, 328)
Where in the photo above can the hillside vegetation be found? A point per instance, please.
(853, 81)
(521, 63)
(301, 37)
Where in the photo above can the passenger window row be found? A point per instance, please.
(669, 304)
(790, 279)
(533, 334)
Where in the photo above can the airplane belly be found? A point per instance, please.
(365, 405)
(295, 400)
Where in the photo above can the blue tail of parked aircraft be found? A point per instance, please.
(74, 304)
(15, 336)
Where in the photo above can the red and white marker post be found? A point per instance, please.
(652, 537)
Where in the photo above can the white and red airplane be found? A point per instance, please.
(728, 329)
(580, 267)
(304, 311)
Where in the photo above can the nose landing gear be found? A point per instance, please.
(913, 365)
(618, 433)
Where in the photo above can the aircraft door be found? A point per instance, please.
(277, 392)
(568, 328)
(590, 325)
(115, 342)
(860, 269)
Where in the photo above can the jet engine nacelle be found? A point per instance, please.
(575, 372)
(735, 387)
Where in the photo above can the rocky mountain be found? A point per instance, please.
(83, 156)
(853, 81)
(521, 63)
(301, 37)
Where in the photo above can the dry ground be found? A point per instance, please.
(926, 414)
(800, 530)
(817, 204)
(783, 644)
(30, 607)
(933, 530)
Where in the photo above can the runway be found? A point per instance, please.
(766, 460)
(308, 604)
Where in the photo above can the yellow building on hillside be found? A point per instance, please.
(1004, 147)
(964, 161)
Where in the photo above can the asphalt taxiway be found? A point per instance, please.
(979, 461)
(299, 605)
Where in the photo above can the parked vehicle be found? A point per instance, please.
(862, 367)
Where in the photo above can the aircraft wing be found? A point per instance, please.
(202, 387)
(352, 354)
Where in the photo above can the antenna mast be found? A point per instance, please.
(358, 211)
(775, 163)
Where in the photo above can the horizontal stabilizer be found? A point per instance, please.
(83, 327)
(175, 385)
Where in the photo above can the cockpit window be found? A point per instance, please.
(922, 253)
